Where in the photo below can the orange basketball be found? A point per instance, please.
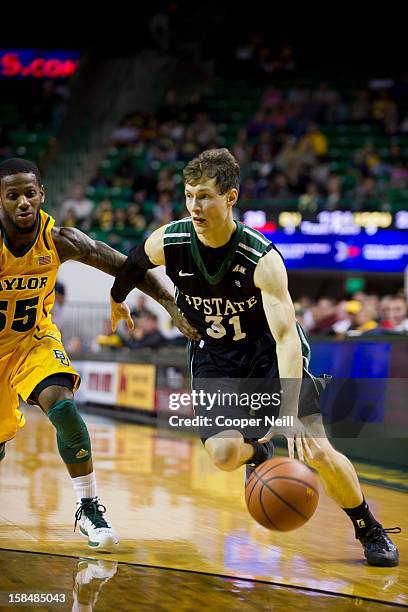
(282, 494)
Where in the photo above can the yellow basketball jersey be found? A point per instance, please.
(27, 284)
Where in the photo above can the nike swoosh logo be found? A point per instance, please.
(186, 273)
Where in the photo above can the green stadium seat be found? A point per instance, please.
(124, 193)
(98, 193)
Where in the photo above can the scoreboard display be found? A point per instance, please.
(337, 240)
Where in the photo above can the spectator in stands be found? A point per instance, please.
(241, 147)
(166, 182)
(333, 192)
(75, 345)
(384, 110)
(136, 220)
(338, 112)
(174, 130)
(384, 312)
(279, 187)
(305, 303)
(258, 125)
(316, 139)
(164, 208)
(396, 155)
(263, 145)
(81, 206)
(363, 321)
(124, 173)
(365, 194)
(100, 180)
(360, 296)
(58, 308)
(374, 301)
(249, 189)
(324, 97)
(140, 307)
(324, 315)
(288, 153)
(298, 94)
(70, 219)
(125, 133)
(146, 334)
(265, 165)
(205, 131)
(320, 173)
(310, 201)
(106, 340)
(399, 175)
(398, 314)
(344, 312)
(366, 160)
(103, 216)
(189, 148)
(271, 98)
(247, 54)
(120, 220)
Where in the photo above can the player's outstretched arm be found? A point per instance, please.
(133, 273)
(71, 243)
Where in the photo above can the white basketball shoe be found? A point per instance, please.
(92, 525)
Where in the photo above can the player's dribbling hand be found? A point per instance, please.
(120, 311)
(296, 436)
(180, 321)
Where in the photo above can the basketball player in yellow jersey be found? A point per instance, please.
(33, 361)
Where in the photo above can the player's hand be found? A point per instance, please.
(120, 311)
(296, 436)
(180, 321)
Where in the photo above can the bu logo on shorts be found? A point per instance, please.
(62, 357)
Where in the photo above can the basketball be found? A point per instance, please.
(282, 494)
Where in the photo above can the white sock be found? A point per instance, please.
(84, 486)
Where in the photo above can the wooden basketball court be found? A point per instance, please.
(187, 540)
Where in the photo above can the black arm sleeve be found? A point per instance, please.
(131, 273)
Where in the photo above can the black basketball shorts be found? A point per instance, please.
(233, 376)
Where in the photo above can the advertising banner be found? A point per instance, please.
(136, 386)
(386, 251)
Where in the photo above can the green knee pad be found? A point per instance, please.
(73, 440)
(2, 451)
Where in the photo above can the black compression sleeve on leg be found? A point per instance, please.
(131, 273)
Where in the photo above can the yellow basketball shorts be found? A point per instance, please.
(36, 358)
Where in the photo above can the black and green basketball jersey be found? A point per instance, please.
(225, 307)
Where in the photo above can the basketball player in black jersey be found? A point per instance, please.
(231, 284)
